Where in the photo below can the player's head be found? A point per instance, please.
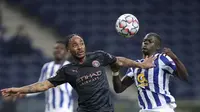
(59, 51)
(151, 44)
(76, 46)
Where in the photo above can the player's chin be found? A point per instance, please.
(58, 57)
(144, 51)
(80, 56)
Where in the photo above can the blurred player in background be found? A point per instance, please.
(86, 73)
(153, 83)
(58, 99)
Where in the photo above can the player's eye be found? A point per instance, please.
(82, 43)
(74, 45)
(145, 40)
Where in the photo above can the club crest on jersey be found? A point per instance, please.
(95, 63)
(142, 81)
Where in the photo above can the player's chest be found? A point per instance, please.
(87, 73)
(143, 77)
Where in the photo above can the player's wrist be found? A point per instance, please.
(115, 73)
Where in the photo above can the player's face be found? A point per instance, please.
(149, 45)
(59, 51)
(77, 47)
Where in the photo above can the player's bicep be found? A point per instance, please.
(48, 84)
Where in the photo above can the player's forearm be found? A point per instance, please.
(125, 62)
(36, 87)
(117, 84)
(181, 69)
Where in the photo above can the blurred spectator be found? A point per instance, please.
(20, 43)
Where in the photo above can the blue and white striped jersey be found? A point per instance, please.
(58, 99)
(153, 83)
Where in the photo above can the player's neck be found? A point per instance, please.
(80, 60)
(59, 61)
(149, 54)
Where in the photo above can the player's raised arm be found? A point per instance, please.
(180, 67)
(125, 62)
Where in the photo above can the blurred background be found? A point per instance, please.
(29, 28)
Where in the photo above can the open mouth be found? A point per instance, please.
(144, 49)
(80, 53)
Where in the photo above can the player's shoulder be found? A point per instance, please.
(66, 62)
(48, 63)
(67, 65)
(98, 53)
(165, 59)
(163, 56)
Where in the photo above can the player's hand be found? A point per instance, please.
(13, 97)
(148, 62)
(169, 52)
(10, 92)
(9, 98)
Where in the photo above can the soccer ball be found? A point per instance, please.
(127, 25)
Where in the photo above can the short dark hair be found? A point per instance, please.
(156, 36)
(68, 38)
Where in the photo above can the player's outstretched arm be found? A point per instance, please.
(33, 88)
(125, 62)
(180, 67)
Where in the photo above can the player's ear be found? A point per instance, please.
(158, 45)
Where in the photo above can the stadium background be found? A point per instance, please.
(28, 29)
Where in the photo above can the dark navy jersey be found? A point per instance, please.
(89, 80)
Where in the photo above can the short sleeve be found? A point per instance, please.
(169, 64)
(108, 59)
(130, 72)
(60, 78)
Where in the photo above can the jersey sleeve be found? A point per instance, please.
(169, 64)
(60, 78)
(130, 72)
(108, 59)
